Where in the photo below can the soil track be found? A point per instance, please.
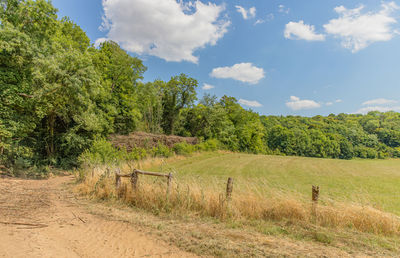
(40, 219)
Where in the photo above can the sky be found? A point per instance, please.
(308, 57)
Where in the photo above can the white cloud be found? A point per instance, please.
(244, 72)
(259, 21)
(167, 29)
(250, 103)
(358, 30)
(269, 17)
(283, 9)
(247, 14)
(99, 41)
(380, 101)
(207, 86)
(299, 30)
(365, 110)
(296, 103)
(330, 103)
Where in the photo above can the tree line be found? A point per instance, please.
(59, 93)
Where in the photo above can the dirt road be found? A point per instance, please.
(40, 219)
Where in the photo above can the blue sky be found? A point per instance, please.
(277, 57)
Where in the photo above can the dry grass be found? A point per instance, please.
(193, 197)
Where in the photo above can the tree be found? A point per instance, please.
(150, 105)
(16, 120)
(178, 93)
(119, 75)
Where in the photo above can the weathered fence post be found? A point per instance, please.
(169, 183)
(117, 180)
(229, 189)
(134, 179)
(315, 196)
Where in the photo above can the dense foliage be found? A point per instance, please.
(58, 94)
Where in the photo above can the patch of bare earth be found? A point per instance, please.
(40, 219)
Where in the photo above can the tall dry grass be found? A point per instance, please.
(189, 196)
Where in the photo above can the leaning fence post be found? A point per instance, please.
(229, 188)
(134, 179)
(315, 196)
(169, 183)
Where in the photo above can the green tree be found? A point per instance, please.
(177, 93)
(119, 76)
(150, 105)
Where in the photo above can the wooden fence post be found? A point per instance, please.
(169, 183)
(229, 189)
(315, 196)
(134, 180)
(117, 180)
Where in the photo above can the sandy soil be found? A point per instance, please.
(40, 219)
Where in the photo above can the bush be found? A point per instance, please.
(365, 152)
(102, 152)
(209, 145)
(135, 154)
(183, 148)
(162, 151)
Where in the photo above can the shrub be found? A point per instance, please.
(161, 151)
(102, 152)
(209, 145)
(135, 154)
(183, 148)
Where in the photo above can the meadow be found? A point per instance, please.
(357, 210)
(373, 183)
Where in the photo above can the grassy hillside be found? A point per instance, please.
(368, 182)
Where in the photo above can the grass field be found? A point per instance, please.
(357, 213)
(374, 183)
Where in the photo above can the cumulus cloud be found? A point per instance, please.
(358, 30)
(380, 101)
(250, 103)
(299, 30)
(247, 14)
(244, 72)
(167, 29)
(207, 86)
(296, 103)
(365, 110)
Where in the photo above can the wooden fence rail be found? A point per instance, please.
(134, 176)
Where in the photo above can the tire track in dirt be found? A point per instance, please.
(57, 227)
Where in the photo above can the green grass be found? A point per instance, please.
(271, 199)
(367, 182)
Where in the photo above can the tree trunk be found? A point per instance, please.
(51, 125)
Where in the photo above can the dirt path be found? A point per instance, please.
(40, 219)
